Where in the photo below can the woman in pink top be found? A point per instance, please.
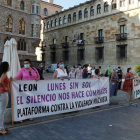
(27, 73)
(4, 89)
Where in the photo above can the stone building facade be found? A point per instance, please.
(99, 32)
(47, 9)
(20, 19)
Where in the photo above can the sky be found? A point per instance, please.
(68, 3)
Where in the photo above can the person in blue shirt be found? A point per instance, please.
(40, 70)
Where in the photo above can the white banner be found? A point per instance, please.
(33, 99)
(136, 88)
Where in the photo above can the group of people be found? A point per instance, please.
(115, 77)
(31, 73)
(116, 82)
(25, 73)
(75, 73)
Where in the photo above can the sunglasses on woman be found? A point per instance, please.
(30, 73)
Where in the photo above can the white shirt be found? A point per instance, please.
(93, 72)
(60, 73)
(89, 69)
(79, 73)
(72, 75)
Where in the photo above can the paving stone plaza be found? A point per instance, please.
(121, 123)
(89, 57)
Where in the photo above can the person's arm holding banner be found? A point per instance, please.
(37, 75)
(55, 74)
(18, 76)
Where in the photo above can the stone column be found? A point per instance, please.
(118, 5)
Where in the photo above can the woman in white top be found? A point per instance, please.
(72, 74)
(61, 73)
(93, 72)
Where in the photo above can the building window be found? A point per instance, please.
(56, 12)
(92, 11)
(33, 9)
(80, 14)
(60, 21)
(99, 53)
(9, 2)
(22, 27)
(114, 4)
(56, 23)
(80, 54)
(21, 45)
(48, 24)
(121, 51)
(100, 33)
(7, 38)
(54, 41)
(69, 18)
(45, 11)
(65, 55)
(98, 9)
(22, 5)
(9, 24)
(122, 3)
(32, 30)
(105, 6)
(66, 38)
(131, 1)
(86, 13)
(52, 23)
(74, 16)
(37, 9)
(52, 55)
(65, 20)
(37, 30)
(122, 31)
(45, 27)
(81, 36)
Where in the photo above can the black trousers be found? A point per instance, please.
(119, 84)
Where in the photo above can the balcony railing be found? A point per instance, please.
(80, 42)
(99, 39)
(65, 44)
(120, 37)
(52, 46)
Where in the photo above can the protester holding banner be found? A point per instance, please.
(60, 73)
(4, 89)
(128, 83)
(27, 73)
(40, 70)
(114, 83)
